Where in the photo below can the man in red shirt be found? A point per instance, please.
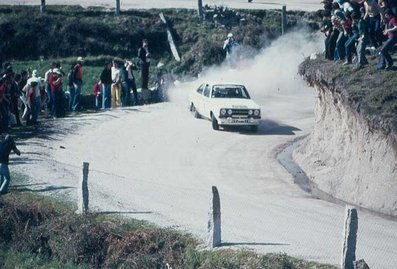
(385, 60)
(78, 82)
(55, 80)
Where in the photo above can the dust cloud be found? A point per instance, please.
(271, 74)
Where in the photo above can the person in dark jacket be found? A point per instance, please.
(144, 63)
(106, 82)
(5, 149)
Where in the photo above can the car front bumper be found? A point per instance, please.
(238, 121)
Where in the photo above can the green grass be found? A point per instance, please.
(12, 259)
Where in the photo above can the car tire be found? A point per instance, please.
(194, 111)
(254, 128)
(215, 124)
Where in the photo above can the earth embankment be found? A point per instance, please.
(352, 150)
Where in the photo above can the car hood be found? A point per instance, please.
(234, 103)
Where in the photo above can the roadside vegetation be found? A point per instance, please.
(31, 40)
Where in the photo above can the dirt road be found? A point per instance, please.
(159, 163)
(309, 5)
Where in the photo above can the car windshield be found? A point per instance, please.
(229, 91)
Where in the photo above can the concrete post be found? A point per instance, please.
(214, 223)
(42, 7)
(117, 7)
(284, 20)
(350, 238)
(83, 195)
(200, 10)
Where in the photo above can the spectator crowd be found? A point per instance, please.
(356, 28)
(24, 97)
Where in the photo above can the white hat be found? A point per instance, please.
(34, 73)
(33, 80)
(80, 59)
(229, 35)
(56, 70)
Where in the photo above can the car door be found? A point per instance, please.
(206, 101)
(197, 98)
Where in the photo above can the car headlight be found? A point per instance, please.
(250, 112)
(229, 112)
(223, 112)
(257, 112)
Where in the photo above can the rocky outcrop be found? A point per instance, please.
(351, 154)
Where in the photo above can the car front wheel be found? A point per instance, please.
(215, 124)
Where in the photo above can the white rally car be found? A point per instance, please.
(225, 105)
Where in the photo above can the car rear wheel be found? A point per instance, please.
(215, 124)
(194, 111)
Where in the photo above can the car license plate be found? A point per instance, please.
(240, 121)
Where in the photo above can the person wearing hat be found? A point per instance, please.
(6, 146)
(385, 60)
(78, 83)
(35, 99)
(229, 43)
(56, 81)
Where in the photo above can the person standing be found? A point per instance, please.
(385, 60)
(375, 14)
(116, 84)
(129, 67)
(5, 149)
(144, 62)
(56, 92)
(106, 82)
(362, 41)
(229, 44)
(71, 89)
(35, 104)
(47, 85)
(78, 83)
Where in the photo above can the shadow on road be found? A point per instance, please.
(17, 188)
(266, 127)
(229, 244)
(123, 212)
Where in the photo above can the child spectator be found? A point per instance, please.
(97, 95)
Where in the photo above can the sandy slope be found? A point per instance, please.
(309, 5)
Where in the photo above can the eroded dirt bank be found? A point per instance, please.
(352, 152)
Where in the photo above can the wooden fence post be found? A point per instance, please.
(350, 238)
(200, 10)
(170, 38)
(214, 223)
(117, 7)
(42, 7)
(83, 195)
(284, 20)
